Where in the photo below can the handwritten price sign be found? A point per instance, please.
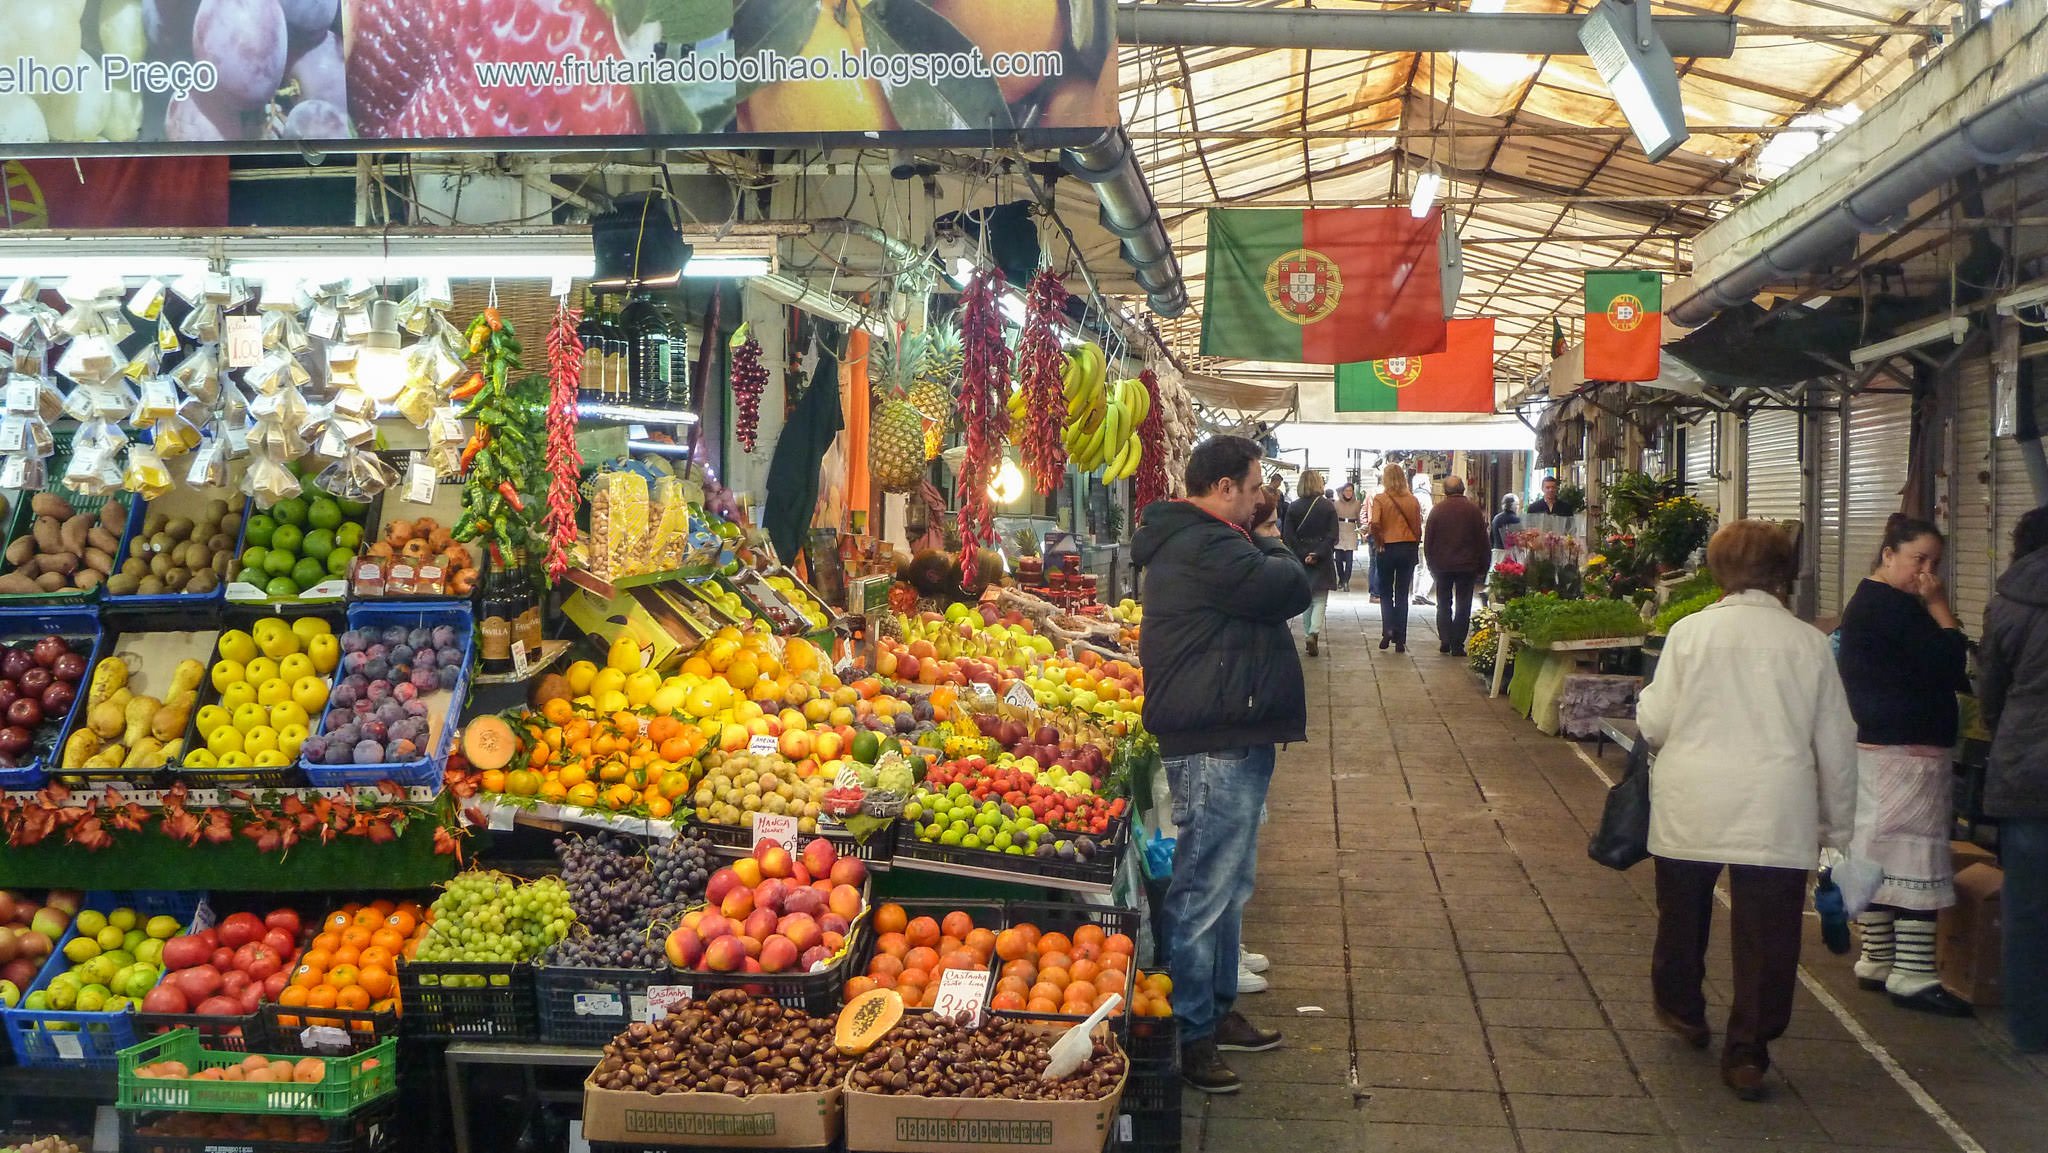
(777, 827)
(960, 995)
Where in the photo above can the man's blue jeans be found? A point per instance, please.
(2023, 852)
(1217, 798)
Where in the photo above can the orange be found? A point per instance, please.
(316, 959)
(384, 907)
(355, 997)
(292, 995)
(885, 965)
(558, 711)
(347, 955)
(1159, 984)
(1010, 944)
(1087, 950)
(1089, 933)
(1047, 992)
(378, 957)
(492, 781)
(1055, 976)
(309, 976)
(376, 981)
(1118, 943)
(1008, 1001)
(922, 931)
(389, 938)
(369, 918)
(1055, 943)
(340, 920)
(1021, 968)
(1017, 985)
(1118, 962)
(323, 997)
(1085, 971)
(358, 935)
(342, 976)
(921, 958)
(1109, 982)
(914, 976)
(982, 942)
(915, 995)
(1042, 1005)
(858, 985)
(957, 924)
(1055, 961)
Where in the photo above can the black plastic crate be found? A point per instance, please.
(1065, 917)
(503, 1008)
(1152, 1087)
(580, 1006)
(987, 915)
(733, 841)
(368, 1130)
(1099, 869)
(241, 1033)
(285, 1030)
(1154, 1039)
(1148, 1132)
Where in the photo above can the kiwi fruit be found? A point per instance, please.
(154, 523)
(123, 585)
(180, 528)
(215, 509)
(175, 577)
(160, 564)
(150, 586)
(203, 582)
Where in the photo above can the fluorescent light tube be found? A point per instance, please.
(52, 268)
(1954, 328)
(2025, 296)
(1424, 198)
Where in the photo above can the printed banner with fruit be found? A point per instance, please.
(181, 75)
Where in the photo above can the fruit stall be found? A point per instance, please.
(399, 759)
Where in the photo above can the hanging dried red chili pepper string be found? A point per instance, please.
(1152, 480)
(984, 385)
(565, 464)
(1040, 367)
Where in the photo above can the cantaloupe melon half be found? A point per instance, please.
(488, 743)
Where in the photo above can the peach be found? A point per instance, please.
(725, 955)
(778, 953)
(845, 901)
(684, 948)
(752, 945)
(774, 859)
(738, 904)
(722, 882)
(770, 895)
(713, 926)
(834, 940)
(820, 856)
(760, 923)
(849, 871)
(802, 931)
(748, 870)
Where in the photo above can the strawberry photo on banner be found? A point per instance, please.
(192, 75)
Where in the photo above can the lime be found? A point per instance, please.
(281, 587)
(317, 543)
(309, 572)
(287, 539)
(279, 562)
(291, 510)
(338, 562)
(349, 536)
(324, 513)
(259, 529)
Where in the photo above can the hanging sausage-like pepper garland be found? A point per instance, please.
(1040, 367)
(984, 385)
(565, 464)
(1152, 480)
(503, 459)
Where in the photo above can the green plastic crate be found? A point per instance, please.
(348, 1086)
(21, 517)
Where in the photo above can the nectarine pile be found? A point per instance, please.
(773, 912)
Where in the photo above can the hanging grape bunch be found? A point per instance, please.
(749, 381)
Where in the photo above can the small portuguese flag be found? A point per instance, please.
(1624, 324)
(1458, 379)
(1323, 286)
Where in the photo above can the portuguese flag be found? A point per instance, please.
(1458, 379)
(1624, 324)
(1323, 286)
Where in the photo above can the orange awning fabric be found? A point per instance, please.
(857, 400)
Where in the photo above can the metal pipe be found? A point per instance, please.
(1998, 134)
(1130, 212)
(1522, 33)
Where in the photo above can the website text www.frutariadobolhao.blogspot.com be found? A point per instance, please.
(891, 68)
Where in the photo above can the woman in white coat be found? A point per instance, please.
(1755, 773)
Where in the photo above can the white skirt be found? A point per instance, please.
(1905, 801)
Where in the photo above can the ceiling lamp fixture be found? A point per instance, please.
(638, 244)
(1631, 57)
(1424, 196)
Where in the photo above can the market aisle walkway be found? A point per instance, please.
(1483, 986)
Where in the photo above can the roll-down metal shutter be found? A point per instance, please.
(1770, 465)
(1973, 542)
(1827, 591)
(1880, 445)
(1698, 462)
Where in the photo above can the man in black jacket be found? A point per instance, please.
(1222, 687)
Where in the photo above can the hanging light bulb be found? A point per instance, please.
(1007, 484)
(380, 366)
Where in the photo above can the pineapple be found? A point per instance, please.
(896, 431)
(938, 366)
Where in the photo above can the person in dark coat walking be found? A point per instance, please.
(1455, 545)
(1310, 529)
(1222, 687)
(2012, 687)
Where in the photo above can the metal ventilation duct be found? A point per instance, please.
(1129, 211)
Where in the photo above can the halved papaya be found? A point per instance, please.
(488, 743)
(866, 1019)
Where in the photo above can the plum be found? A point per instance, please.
(314, 749)
(353, 662)
(444, 636)
(420, 638)
(377, 668)
(415, 708)
(337, 753)
(390, 712)
(353, 641)
(347, 734)
(364, 708)
(345, 695)
(410, 690)
(379, 691)
(394, 634)
(409, 729)
(403, 750)
(375, 730)
(425, 659)
(449, 655)
(425, 679)
(359, 680)
(369, 753)
(446, 676)
(401, 655)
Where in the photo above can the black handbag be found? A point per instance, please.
(1623, 837)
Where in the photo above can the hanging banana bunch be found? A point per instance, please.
(1102, 416)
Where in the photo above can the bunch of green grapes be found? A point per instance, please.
(493, 918)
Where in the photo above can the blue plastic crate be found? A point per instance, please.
(138, 511)
(68, 1039)
(427, 770)
(75, 624)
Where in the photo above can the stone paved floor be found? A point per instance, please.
(1483, 987)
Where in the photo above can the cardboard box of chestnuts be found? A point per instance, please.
(891, 1123)
(770, 1121)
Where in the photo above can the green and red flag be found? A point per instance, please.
(1624, 324)
(1323, 286)
(1458, 379)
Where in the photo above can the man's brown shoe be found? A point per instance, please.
(1746, 1080)
(1698, 1036)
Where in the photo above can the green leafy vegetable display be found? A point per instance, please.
(1545, 620)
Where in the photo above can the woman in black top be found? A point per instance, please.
(1903, 659)
(1310, 529)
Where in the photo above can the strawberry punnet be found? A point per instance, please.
(412, 74)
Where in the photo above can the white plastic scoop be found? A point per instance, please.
(1071, 1051)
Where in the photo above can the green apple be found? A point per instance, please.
(348, 536)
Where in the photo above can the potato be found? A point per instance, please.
(51, 505)
(63, 564)
(124, 584)
(23, 548)
(75, 531)
(100, 560)
(49, 534)
(51, 582)
(103, 540)
(31, 568)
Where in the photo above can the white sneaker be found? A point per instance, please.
(1250, 962)
(1248, 981)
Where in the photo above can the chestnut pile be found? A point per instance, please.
(37, 685)
(728, 1043)
(927, 1056)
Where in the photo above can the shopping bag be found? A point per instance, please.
(1834, 922)
(1623, 837)
(1859, 878)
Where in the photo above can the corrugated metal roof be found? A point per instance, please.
(1539, 170)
